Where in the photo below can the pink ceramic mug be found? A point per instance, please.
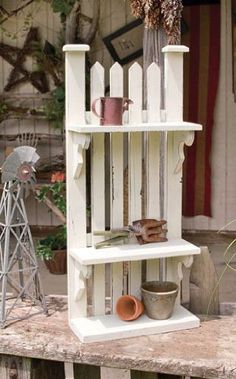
(112, 109)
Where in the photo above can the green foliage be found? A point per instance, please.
(57, 194)
(63, 7)
(55, 108)
(57, 241)
(56, 191)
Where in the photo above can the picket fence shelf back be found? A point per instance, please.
(150, 141)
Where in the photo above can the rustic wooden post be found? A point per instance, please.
(75, 157)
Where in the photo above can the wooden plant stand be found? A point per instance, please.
(135, 145)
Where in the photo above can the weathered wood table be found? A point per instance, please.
(208, 351)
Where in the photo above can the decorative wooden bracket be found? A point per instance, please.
(188, 138)
(175, 266)
(84, 273)
(80, 142)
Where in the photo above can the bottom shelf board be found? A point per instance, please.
(109, 327)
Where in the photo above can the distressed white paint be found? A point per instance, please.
(135, 167)
(104, 328)
(149, 127)
(76, 191)
(174, 82)
(134, 252)
(98, 184)
(82, 258)
(153, 156)
(116, 181)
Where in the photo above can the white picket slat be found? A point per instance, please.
(135, 167)
(116, 177)
(153, 156)
(117, 166)
(98, 182)
(116, 283)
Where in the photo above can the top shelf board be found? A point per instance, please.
(146, 127)
(134, 252)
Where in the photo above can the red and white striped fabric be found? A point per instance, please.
(201, 72)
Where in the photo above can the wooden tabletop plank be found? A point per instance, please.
(208, 351)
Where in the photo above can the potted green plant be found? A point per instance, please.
(52, 248)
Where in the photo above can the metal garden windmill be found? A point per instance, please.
(18, 264)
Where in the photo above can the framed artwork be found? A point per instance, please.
(126, 44)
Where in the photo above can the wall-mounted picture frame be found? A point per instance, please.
(126, 44)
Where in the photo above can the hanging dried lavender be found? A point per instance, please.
(160, 13)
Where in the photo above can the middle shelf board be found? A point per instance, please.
(178, 126)
(134, 252)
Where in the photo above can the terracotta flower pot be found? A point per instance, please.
(58, 264)
(129, 308)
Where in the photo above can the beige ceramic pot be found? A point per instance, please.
(159, 298)
(129, 308)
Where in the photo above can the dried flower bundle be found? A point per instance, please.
(160, 13)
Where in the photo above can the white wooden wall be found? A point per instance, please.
(115, 14)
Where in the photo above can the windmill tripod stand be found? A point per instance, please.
(19, 272)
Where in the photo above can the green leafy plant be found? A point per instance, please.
(54, 196)
(57, 241)
(55, 107)
(63, 7)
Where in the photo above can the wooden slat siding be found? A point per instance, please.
(143, 375)
(19, 366)
(76, 193)
(153, 156)
(82, 371)
(116, 177)
(34, 210)
(115, 373)
(135, 167)
(52, 26)
(69, 370)
(98, 183)
(46, 369)
(43, 216)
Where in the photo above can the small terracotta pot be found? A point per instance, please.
(129, 308)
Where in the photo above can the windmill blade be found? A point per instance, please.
(35, 158)
(26, 153)
(10, 167)
(8, 176)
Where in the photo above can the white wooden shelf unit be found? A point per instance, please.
(136, 172)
